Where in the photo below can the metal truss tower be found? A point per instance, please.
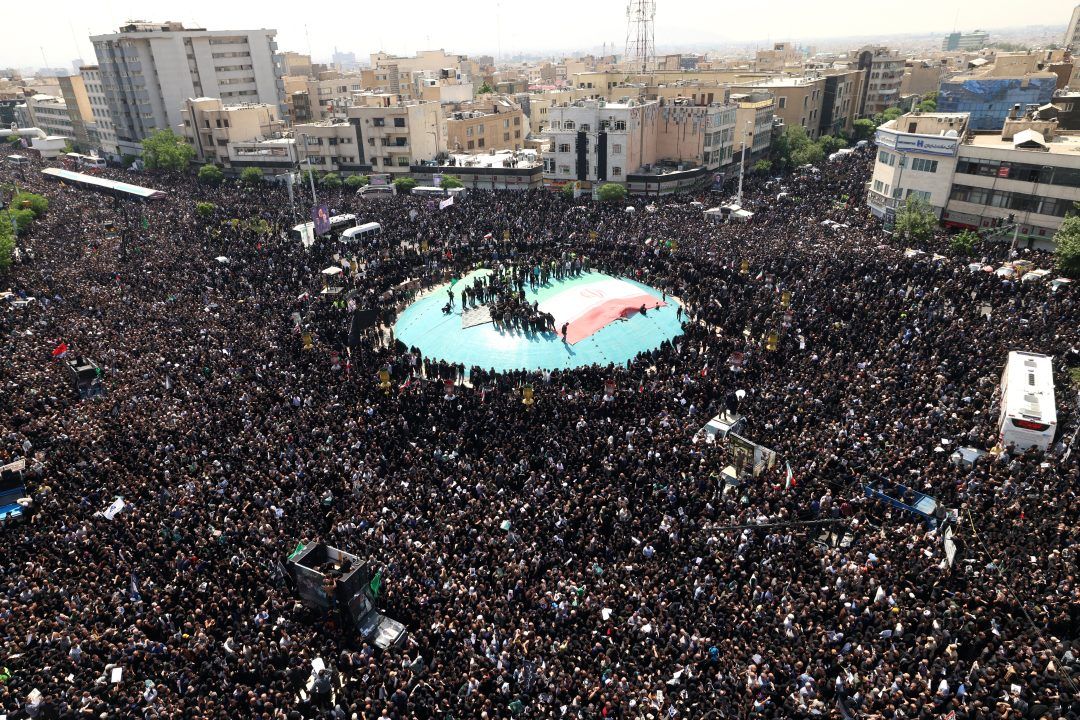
(640, 40)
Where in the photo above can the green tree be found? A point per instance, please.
(357, 181)
(404, 185)
(211, 174)
(24, 217)
(830, 144)
(611, 192)
(1067, 246)
(37, 204)
(127, 160)
(928, 103)
(963, 243)
(68, 147)
(863, 129)
(14, 140)
(450, 181)
(165, 150)
(567, 190)
(251, 176)
(916, 219)
(485, 89)
(330, 181)
(889, 114)
(7, 243)
(763, 167)
(205, 209)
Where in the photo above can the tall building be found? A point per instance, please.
(73, 90)
(484, 126)
(47, 112)
(968, 42)
(1072, 32)
(148, 70)
(883, 72)
(102, 135)
(395, 136)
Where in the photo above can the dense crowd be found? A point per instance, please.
(577, 558)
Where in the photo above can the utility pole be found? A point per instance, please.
(742, 161)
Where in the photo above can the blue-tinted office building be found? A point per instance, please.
(989, 99)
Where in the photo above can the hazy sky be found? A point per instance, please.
(483, 26)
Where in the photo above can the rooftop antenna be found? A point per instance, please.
(498, 29)
(640, 38)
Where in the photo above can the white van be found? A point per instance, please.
(362, 233)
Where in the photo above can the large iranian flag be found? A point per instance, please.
(595, 303)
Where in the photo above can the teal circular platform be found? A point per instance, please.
(602, 312)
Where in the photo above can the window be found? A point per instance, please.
(878, 186)
(480, 143)
(584, 127)
(921, 194)
(506, 137)
(616, 170)
(783, 103)
(506, 123)
(924, 165)
(470, 145)
(480, 130)
(399, 122)
(378, 122)
(555, 125)
(568, 125)
(620, 126)
(517, 134)
(403, 161)
(468, 132)
(564, 169)
(886, 158)
(517, 120)
(564, 147)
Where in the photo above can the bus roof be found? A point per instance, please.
(110, 187)
(1029, 387)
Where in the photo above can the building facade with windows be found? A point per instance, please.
(211, 127)
(47, 112)
(397, 136)
(595, 141)
(148, 70)
(102, 134)
(965, 42)
(486, 126)
(989, 98)
(1032, 173)
(754, 116)
(330, 146)
(883, 73)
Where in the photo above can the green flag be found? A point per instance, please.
(294, 553)
(376, 583)
(145, 223)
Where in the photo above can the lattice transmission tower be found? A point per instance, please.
(640, 40)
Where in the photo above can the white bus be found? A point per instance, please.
(432, 191)
(305, 232)
(84, 162)
(1028, 415)
(362, 233)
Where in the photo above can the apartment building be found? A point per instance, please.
(102, 134)
(883, 73)
(296, 64)
(597, 141)
(77, 102)
(1029, 169)
(330, 146)
(493, 124)
(753, 123)
(965, 42)
(397, 74)
(1072, 30)
(799, 100)
(922, 77)
(394, 137)
(211, 127)
(148, 70)
(47, 112)
(325, 96)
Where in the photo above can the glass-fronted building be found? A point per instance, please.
(989, 99)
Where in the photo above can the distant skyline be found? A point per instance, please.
(498, 28)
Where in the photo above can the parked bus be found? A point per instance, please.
(432, 191)
(376, 191)
(362, 233)
(1028, 414)
(305, 232)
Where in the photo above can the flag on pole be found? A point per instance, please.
(790, 477)
(376, 583)
(60, 350)
(294, 553)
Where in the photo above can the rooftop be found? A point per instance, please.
(1061, 144)
(524, 158)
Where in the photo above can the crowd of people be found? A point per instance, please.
(580, 557)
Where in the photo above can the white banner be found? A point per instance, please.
(446, 203)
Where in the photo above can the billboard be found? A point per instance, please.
(320, 216)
